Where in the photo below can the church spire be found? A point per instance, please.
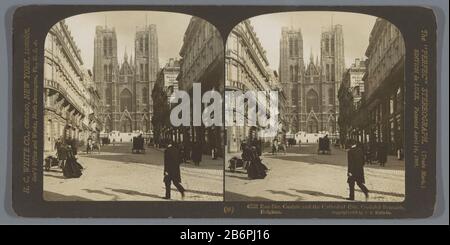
(125, 56)
(311, 56)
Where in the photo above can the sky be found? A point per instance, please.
(356, 28)
(170, 28)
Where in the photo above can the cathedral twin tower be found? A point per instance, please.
(311, 89)
(125, 89)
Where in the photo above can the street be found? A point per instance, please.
(303, 175)
(118, 175)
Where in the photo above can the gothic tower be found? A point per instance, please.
(333, 66)
(147, 66)
(291, 72)
(105, 71)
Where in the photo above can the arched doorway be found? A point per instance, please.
(108, 127)
(331, 124)
(144, 126)
(312, 125)
(125, 125)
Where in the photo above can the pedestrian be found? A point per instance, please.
(172, 170)
(197, 153)
(182, 154)
(214, 153)
(355, 171)
(58, 145)
(74, 146)
(62, 154)
(89, 145)
(72, 169)
(382, 153)
(256, 169)
(274, 146)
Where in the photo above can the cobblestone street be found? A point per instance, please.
(118, 175)
(303, 175)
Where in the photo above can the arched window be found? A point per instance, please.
(312, 101)
(105, 73)
(105, 46)
(331, 96)
(291, 47)
(144, 95)
(296, 73)
(125, 100)
(110, 48)
(108, 95)
(291, 73)
(332, 45)
(110, 69)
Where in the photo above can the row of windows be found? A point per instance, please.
(293, 47)
(125, 97)
(330, 72)
(107, 46)
(107, 73)
(329, 45)
(143, 43)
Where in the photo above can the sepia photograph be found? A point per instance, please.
(224, 112)
(340, 81)
(108, 82)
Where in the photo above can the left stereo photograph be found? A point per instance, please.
(111, 82)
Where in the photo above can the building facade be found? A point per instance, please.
(380, 118)
(202, 63)
(353, 80)
(166, 84)
(69, 93)
(246, 67)
(291, 72)
(168, 76)
(125, 88)
(312, 87)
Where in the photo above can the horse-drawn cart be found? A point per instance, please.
(138, 145)
(324, 146)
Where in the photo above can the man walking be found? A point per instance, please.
(172, 170)
(355, 173)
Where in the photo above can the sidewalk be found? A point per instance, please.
(307, 176)
(117, 175)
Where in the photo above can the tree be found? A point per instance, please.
(346, 111)
(161, 112)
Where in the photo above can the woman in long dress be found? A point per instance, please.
(256, 170)
(72, 169)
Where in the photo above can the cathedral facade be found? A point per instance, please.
(311, 87)
(125, 88)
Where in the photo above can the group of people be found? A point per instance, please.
(192, 152)
(278, 147)
(92, 145)
(66, 151)
(376, 153)
(252, 161)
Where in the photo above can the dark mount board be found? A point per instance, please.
(30, 27)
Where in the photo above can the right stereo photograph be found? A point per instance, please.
(314, 109)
